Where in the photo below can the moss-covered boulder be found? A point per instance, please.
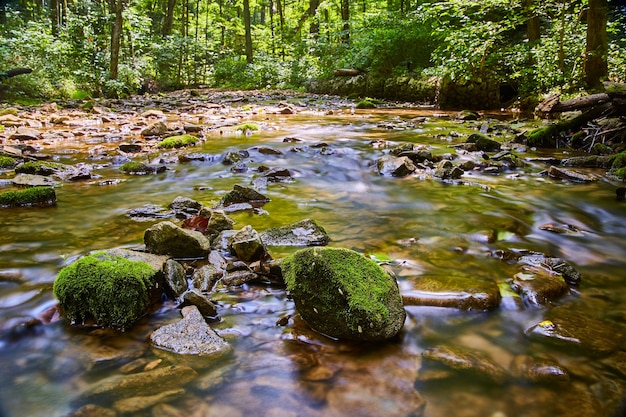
(343, 294)
(34, 196)
(619, 165)
(166, 238)
(178, 141)
(483, 142)
(7, 161)
(107, 290)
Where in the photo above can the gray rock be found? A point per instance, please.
(395, 166)
(25, 133)
(483, 142)
(303, 233)
(571, 175)
(185, 207)
(218, 221)
(190, 336)
(241, 194)
(205, 277)
(343, 294)
(33, 180)
(446, 170)
(246, 244)
(193, 297)
(175, 279)
(457, 292)
(168, 239)
(135, 404)
(155, 129)
(239, 277)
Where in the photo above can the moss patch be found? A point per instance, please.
(7, 161)
(136, 168)
(111, 291)
(341, 293)
(39, 168)
(177, 141)
(35, 196)
(366, 103)
(247, 127)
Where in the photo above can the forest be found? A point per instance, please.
(116, 48)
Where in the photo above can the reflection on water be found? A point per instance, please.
(428, 228)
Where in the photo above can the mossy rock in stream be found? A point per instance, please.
(107, 290)
(544, 137)
(34, 196)
(484, 143)
(7, 161)
(178, 141)
(39, 168)
(342, 294)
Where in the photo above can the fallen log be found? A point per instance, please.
(347, 72)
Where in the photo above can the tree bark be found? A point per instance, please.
(168, 24)
(248, 27)
(597, 44)
(315, 25)
(345, 17)
(54, 17)
(116, 7)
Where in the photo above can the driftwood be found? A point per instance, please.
(615, 94)
(348, 72)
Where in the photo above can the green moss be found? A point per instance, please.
(620, 173)
(34, 196)
(366, 103)
(543, 137)
(483, 142)
(247, 126)
(7, 161)
(9, 110)
(178, 141)
(136, 168)
(363, 283)
(619, 161)
(111, 291)
(39, 168)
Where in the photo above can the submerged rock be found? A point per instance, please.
(538, 370)
(343, 294)
(483, 142)
(457, 292)
(550, 265)
(538, 287)
(443, 362)
(303, 233)
(396, 166)
(166, 238)
(35, 196)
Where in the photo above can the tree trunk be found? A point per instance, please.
(345, 17)
(597, 45)
(532, 22)
(248, 27)
(169, 18)
(315, 24)
(116, 7)
(54, 17)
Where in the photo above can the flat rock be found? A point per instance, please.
(464, 293)
(166, 238)
(303, 233)
(33, 180)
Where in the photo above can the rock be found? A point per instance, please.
(155, 129)
(246, 244)
(166, 238)
(108, 290)
(235, 278)
(205, 277)
(92, 410)
(32, 180)
(566, 327)
(241, 194)
(467, 115)
(483, 142)
(149, 212)
(395, 166)
(343, 294)
(10, 120)
(570, 175)
(303, 233)
(218, 221)
(540, 370)
(134, 404)
(139, 168)
(60, 171)
(446, 170)
(550, 265)
(35, 196)
(143, 383)
(130, 147)
(185, 207)
(175, 279)
(190, 336)
(537, 287)
(457, 292)
(232, 158)
(193, 297)
(445, 361)
(25, 134)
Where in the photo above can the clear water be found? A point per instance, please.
(427, 227)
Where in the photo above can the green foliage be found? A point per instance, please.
(112, 291)
(177, 141)
(34, 196)
(247, 127)
(7, 161)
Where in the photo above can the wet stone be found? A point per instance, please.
(457, 292)
(167, 238)
(185, 207)
(538, 288)
(395, 166)
(149, 212)
(570, 175)
(33, 180)
(194, 297)
(135, 404)
(246, 244)
(538, 370)
(175, 278)
(551, 265)
(205, 277)
(441, 359)
(303, 233)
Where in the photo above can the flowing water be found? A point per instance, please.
(421, 226)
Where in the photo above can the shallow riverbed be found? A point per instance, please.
(421, 226)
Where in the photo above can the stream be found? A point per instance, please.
(419, 225)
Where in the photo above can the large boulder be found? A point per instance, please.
(107, 290)
(343, 294)
(168, 239)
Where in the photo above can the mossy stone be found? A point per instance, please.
(34, 196)
(136, 168)
(483, 142)
(366, 103)
(247, 127)
(343, 294)
(39, 168)
(178, 141)
(109, 290)
(7, 161)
